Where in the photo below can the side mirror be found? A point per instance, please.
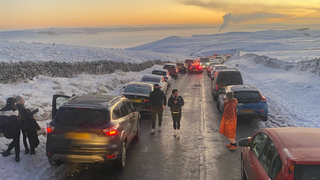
(245, 142)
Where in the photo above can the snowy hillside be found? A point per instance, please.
(11, 51)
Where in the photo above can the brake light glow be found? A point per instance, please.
(111, 131)
(190, 68)
(199, 67)
(217, 86)
(263, 99)
(260, 110)
(148, 108)
(146, 100)
(50, 128)
(111, 156)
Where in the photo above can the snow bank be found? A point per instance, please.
(292, 95)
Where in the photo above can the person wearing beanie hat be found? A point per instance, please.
(175, 103)
(229, 120)
(9, 125)
(29, 127)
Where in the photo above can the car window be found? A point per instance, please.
(267, 155)
(151, 79)
(116, 112)
(276, 167)
(169, 66)
(306, 171)
(128, 107)
(159, 72)
(123, 109)
(82, 117)
(258, 143)
(137, 89)
(227, 78)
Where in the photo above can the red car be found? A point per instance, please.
(173, 70)
(291, 153)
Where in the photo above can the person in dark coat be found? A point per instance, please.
(189, 68)
(10, 127)
(29, 127)
(158, 102)
(175, 103)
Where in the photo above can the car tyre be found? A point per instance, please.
(56, 163)
(137, 135)
(243, 173)
(121, 161)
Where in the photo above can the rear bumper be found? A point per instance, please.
(259, 111)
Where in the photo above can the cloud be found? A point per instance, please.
(245, 8)
(227, 18)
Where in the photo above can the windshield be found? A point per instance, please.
(151, 79)
(306, 172)
(138, 89)
(247, 96)
(204, 59)
(159, 73)
(82, 117)
(229, 78)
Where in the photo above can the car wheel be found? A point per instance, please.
(137, 136)
(243, 173)
(121, 161)
(54, 162)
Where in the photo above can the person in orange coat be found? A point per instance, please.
(229, 120)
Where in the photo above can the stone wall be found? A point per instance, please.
(12, 72)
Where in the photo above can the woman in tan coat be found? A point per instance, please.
(229, 120)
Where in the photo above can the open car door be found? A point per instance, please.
(57, 101)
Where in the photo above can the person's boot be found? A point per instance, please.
(17, 159)
(33, 152)
(174, 133)
(228, 145)
(159, 129)
(233, 147)
(152, 131)
(27, 151)
(178, 134)
(6, 154)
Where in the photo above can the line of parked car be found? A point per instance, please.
(290, 153)
(99, 128)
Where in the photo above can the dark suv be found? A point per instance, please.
(224, 78)
(90, 129)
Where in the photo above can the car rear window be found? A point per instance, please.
(204, 59)
(169, 66)
(82, 117)
(188, 61)
(306, 172)
(180, 64)
(247, 96)
(138, 89)
(159, 72)
(229, 78)
(221, 67)
(151, 79)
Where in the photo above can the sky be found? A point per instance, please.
(22, 14)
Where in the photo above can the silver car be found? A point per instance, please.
(156, 79)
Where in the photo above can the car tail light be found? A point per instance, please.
(50, 128)
(160, 87)
(146, 100)
(217, 86)
(260, 110)
(263, 99)
(111, 156)
(111, 131)
(290, 164)
(199, 67)
(148, 108)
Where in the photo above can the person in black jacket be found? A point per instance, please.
(189, 68)
(9, 125)
(158, 102)
(175, 103)
(29, 127)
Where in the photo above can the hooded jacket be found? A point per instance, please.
(157, 98)
(26, 118)
(229, 119)
(175, 107)
(9, 120)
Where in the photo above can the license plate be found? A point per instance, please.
(77, 135)
(136, 100)
(222, 87)
(195, 70)
(247, 111)
(179, 66)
